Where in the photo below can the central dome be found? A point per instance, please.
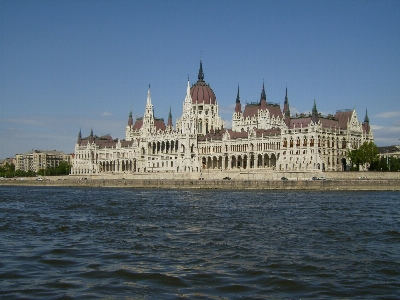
(201, 91)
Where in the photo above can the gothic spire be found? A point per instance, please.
(286, 110)
(201, 73)
(286, 104)
(366, 119)
(366, 122)
(263, 95)
(80, 136)
(263, 100)
(286, 97)
(238, 108)
(170, 117)
(314, 114)
(130, 120)
(148, 96)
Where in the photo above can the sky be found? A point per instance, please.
(72, 65)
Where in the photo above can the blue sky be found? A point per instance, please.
(66, 65)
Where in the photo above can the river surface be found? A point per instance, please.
(88, 243)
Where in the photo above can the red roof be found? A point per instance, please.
(138, 124)
(158, 123)
(104, 141)
(251, 110)
(201, 92)
(300, 122)
(343, 117)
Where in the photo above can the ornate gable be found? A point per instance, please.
(354, 125)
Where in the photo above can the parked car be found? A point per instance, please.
(314, 178)
(39, 178)
(322, 178)
(284, 178)
(201, 178)
(226, 178)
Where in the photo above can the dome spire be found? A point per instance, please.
(201, 73)
(263, 96)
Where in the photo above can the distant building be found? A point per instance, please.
(263, 137)
(389, 151)
(9, 161)
(39, 159)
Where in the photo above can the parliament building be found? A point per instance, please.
(263, 137)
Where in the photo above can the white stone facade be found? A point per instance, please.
(262, 137)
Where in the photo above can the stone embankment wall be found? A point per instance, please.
(336, 184)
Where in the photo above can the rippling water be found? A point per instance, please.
(137, 243)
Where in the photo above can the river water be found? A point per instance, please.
(86, 243)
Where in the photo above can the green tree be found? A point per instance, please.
(354, 156)
(62, 169)
(8, 170)
(367, 154)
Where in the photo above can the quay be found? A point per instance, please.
(335, 181)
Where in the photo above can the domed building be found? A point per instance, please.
(204, 106)
(263, 139)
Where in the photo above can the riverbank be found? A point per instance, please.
(237, 181)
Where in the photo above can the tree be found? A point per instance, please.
(367, 154)
(8, 170)
(354, 156)
(62, 169)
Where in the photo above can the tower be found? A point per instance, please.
(366, 122)
(263, 98)
(314, 114)
(130, 120)
(286, 110)
(148, 118)
(238, 107)
(79, 137)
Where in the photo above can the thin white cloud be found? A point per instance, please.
(227, 109)
(386, 129)
(25, 121)
(388, 114)
(106, 114)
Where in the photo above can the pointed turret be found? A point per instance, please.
(263, 99)
(80, 136)
(169, 118)
(286, 110)
(130, 120)
(366, 119)
(148, 96)
(91, 136)
(148, 118)
(314, 114)
(366, 122)
(238, 108)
